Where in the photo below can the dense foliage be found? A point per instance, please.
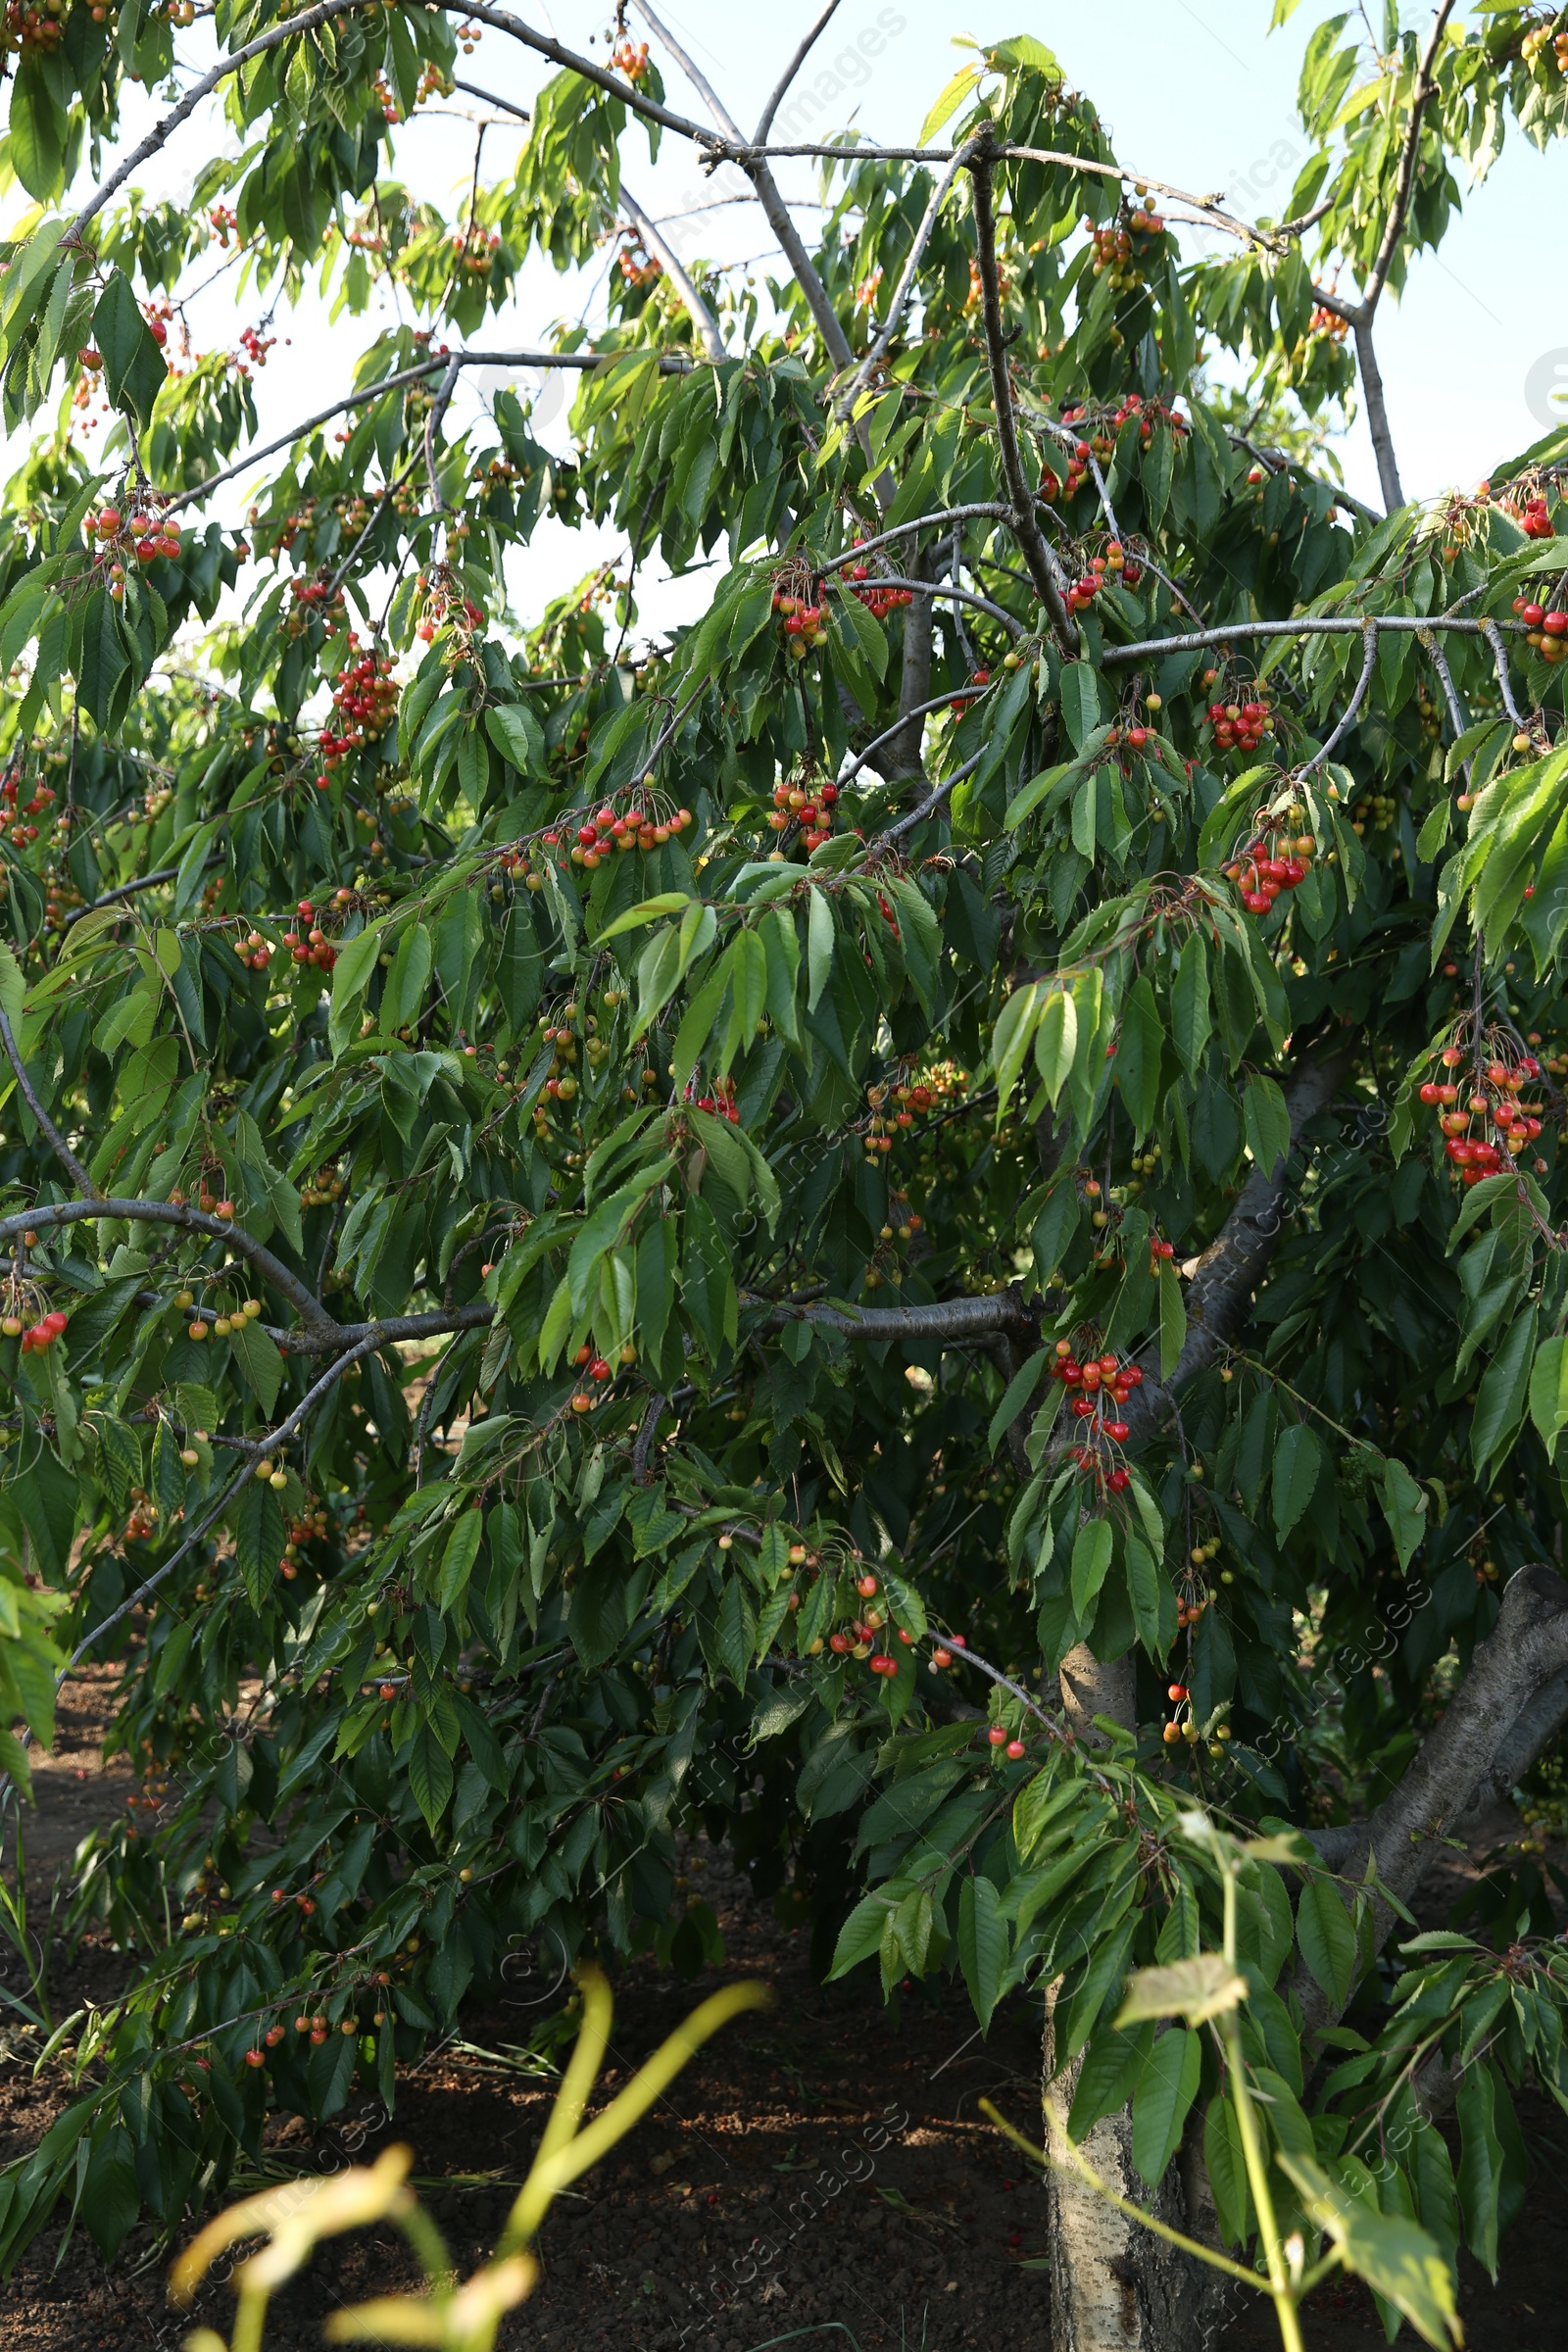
(654, 1244)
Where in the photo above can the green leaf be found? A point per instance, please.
(1395, 2256)
(982, 1945)
(430, 1776)
(38, 142)
(1139, 1044)
(1327, 1938)
(1196, 1989)
(1166, 2088)
(647, 911)
(1057, 1042)
(820, 942)
(1548, 1389)
(1144, 1582)
(948, 100)
(1018, 1392)
(1191, 1025)
(133, 369)
(259, 1360)
(1404, 1507)
(1090, 1558)
(1267, 1123)
(1502, 1394)
(1298, 1465)
(1481, 2163)
(456, 1561)
(1079, 701)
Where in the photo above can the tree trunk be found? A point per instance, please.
(1116, 2288)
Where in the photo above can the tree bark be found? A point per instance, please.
(1114, 2286)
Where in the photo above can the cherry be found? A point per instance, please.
(998, 1734)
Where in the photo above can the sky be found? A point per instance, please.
(1197, 92)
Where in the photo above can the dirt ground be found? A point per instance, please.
(820, 2174)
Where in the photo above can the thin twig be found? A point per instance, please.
(902, 291)
(1370, 634)
(932, 801)
(1499, 660)
(1025, 529)
(46, 1128)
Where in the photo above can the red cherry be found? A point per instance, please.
(998, 1734)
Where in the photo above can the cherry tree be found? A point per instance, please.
(920, 1223)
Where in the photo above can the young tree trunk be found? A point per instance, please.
(1116, 2287)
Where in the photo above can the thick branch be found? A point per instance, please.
(1426, 89)
(697, 310)
(669, 364)
(1377, 415)
(947, 1320)
(1026, 530)
(781, 88)
(1235, 1262)
(907, 736)
(1308, 626)
(1513, 1698)
(318, 1324)
(775, 209)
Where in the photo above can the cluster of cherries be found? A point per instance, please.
(1051, 485)
(1534, 41)
(1113, 564)
(979, 680)
(637, 827)
(1097, 1377)
(1535, 521)
(324, 1187)
(15, 811)
(865, 1637)
(145, 533)
(635, 273)
(1545, 627)
(882, 596)
(1102, 441)
(255, 346)
(591, 1365)
(313, 600)
(804, 622)
(719, 1098)
(812, 812)
(1476, 1156)
(1096, 1380)
(35, 1337)
(367, 694)
(630, 58)
(1116, 253)
(1239, 726)
(314, 947)
(32, 31)
(1268, 864)
(473, 250)
(252, 949)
